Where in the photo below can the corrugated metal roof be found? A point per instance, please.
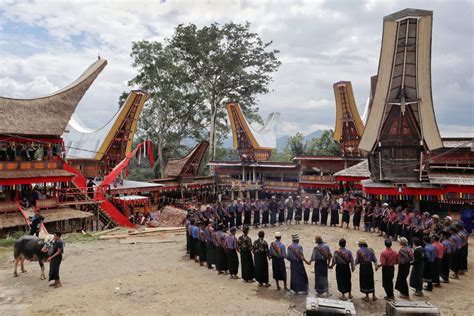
(457, 142)
(453, 179)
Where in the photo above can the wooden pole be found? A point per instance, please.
(97, 223)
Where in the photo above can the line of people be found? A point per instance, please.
(388, 221)
(430, 260)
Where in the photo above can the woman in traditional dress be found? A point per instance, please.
(299, 210)
(321, 257)
(368, 216)
(290, 204)
(405, 257)
(324, 213)
(299, 278)
(448, 250)
(365, 257)
(344, 263)
(265, 213)
(315, 214)
(231, 250)
(256, 213)
(219, 242)
(260, 250)
(211, 249)
(346, 212)
(281, 211)
(335, 207)
(278, 254)
(357, 215)
(247, 212)
(246, 259)
(416, 274)
(306, 208)
(202, 245)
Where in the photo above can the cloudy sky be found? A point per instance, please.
(46, 44)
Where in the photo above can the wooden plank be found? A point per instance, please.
(114, 236)
(159, 229)
(106, 231)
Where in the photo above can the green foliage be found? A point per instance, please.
(10, 240)
(7, 242)
(138, 173)
(295, 146)
(173, 110)
(122, 98)
(190, 76)
(285, 156)
(226, 154)
(322, 146)
(225, 63)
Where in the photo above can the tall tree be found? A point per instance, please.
(174, 109)
(323, 146)
(295, 145)
(225, 63)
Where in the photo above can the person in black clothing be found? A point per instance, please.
(90, 189)
(416, 275)
(357, 215)
(55, 260)
(36, 222)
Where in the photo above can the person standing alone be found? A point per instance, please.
(55, 260)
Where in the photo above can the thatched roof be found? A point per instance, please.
(52, 215)
(176, 167)
(47, 115)
(84, 143)
(360, 170)
(417, 87)
(346, 108)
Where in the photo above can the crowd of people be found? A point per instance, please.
(431, 251)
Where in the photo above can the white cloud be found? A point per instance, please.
(321, 42)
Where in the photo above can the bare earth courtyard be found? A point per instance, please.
(107, 277)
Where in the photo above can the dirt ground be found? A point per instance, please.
(107, 277)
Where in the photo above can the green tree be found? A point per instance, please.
(174, 109)
(323, 146)
(284, 156)
(294, 146)
(225, 63)
(122, 98)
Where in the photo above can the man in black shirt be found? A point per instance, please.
(55, 260)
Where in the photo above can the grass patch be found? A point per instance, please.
(7, 242)
(79, 237)
(10, 240)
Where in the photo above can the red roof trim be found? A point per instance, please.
(420, 191)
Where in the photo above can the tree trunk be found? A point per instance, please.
(212, 133)
(161, 160)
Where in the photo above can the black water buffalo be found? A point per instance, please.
(31, 248)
